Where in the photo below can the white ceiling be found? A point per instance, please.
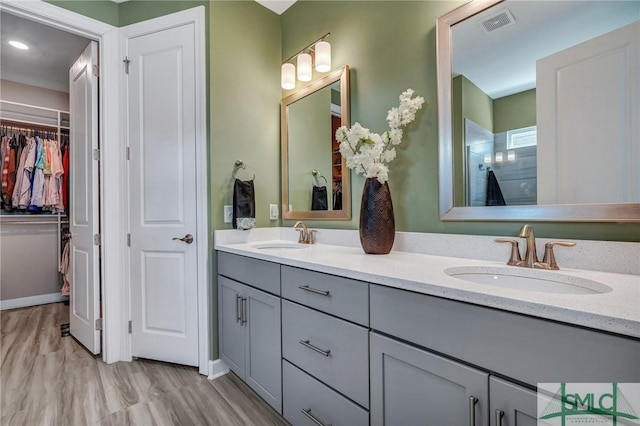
(278, 6)
(51, 53)
(503, 62)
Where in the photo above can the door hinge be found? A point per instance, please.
(129, 240)
(96, 154)
(130, 327)
(128, 153)
(98, 324)
(96, 70)
(96, 239)
(126, 64)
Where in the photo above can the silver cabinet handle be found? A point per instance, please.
(307, 412)
(186, 239)
(315, 348)
(499, 415)
(313, 290)
(238, 314)
(244, 311)
(472, 410)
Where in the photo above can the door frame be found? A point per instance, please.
(114, 323)
(194, 16)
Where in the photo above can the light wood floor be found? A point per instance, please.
(46, 379)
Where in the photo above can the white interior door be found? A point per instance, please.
(84, 224)
(162, 168)
(587, 117)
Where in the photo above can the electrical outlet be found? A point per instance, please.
(273, 211)
(228, 214)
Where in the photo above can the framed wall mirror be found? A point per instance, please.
(538, 105)
(316, 182)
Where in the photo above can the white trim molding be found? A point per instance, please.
(217, 368)
(23, 302)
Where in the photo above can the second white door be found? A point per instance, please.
(162, 142)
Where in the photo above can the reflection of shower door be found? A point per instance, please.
(476, 178)
(479, 142)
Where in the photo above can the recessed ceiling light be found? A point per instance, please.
(18, 45)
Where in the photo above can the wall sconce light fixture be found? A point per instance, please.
(320, 49)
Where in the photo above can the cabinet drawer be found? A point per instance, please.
(530, 350)
(344, 363)
(256, 273)
(342, 297)
(302, 392)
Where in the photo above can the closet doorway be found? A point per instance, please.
(41, 26)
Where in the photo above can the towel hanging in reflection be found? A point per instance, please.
(244, 204)
(319, 199)
(494, 193)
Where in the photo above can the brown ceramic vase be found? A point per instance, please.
(377, 225)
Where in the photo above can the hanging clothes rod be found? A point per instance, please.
(32, 222)
(26, 126)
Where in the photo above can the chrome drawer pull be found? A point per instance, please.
(307, 412)
(472, 410)
(243, 321)
(238, 308)
(499, 414)
(313, 290)
(315, 348)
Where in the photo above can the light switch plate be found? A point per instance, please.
(228, 214)
(273, 211)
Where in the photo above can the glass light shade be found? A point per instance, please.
(323, 56)
(511, 155)
(304, 67)
(18, 45)
(288, 77)
(499, 157)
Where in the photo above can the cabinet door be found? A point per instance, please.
(410, 386)
(231, 330)
(263, 373)
(511, 405)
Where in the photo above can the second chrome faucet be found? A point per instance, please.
(530, 259)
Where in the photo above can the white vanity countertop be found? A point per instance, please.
(617, 311)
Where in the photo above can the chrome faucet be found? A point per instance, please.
(307, 236)
(531, 255)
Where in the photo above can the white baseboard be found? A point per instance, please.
(41, 299)
(217, 369)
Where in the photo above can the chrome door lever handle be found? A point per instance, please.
(186, 239)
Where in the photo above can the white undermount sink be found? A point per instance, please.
(279, 245)
(528, 279)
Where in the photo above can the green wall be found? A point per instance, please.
(390, 45)
(515, 111)
(129, 12)
(469, 101)
(101, 10)
(310, 138)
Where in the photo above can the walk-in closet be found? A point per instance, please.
(34, 126)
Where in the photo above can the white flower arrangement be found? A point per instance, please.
(369, 153)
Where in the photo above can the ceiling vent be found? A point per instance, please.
(498, 21)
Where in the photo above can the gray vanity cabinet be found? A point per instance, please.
(250, 337)
(510, 404)
(410, 386)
